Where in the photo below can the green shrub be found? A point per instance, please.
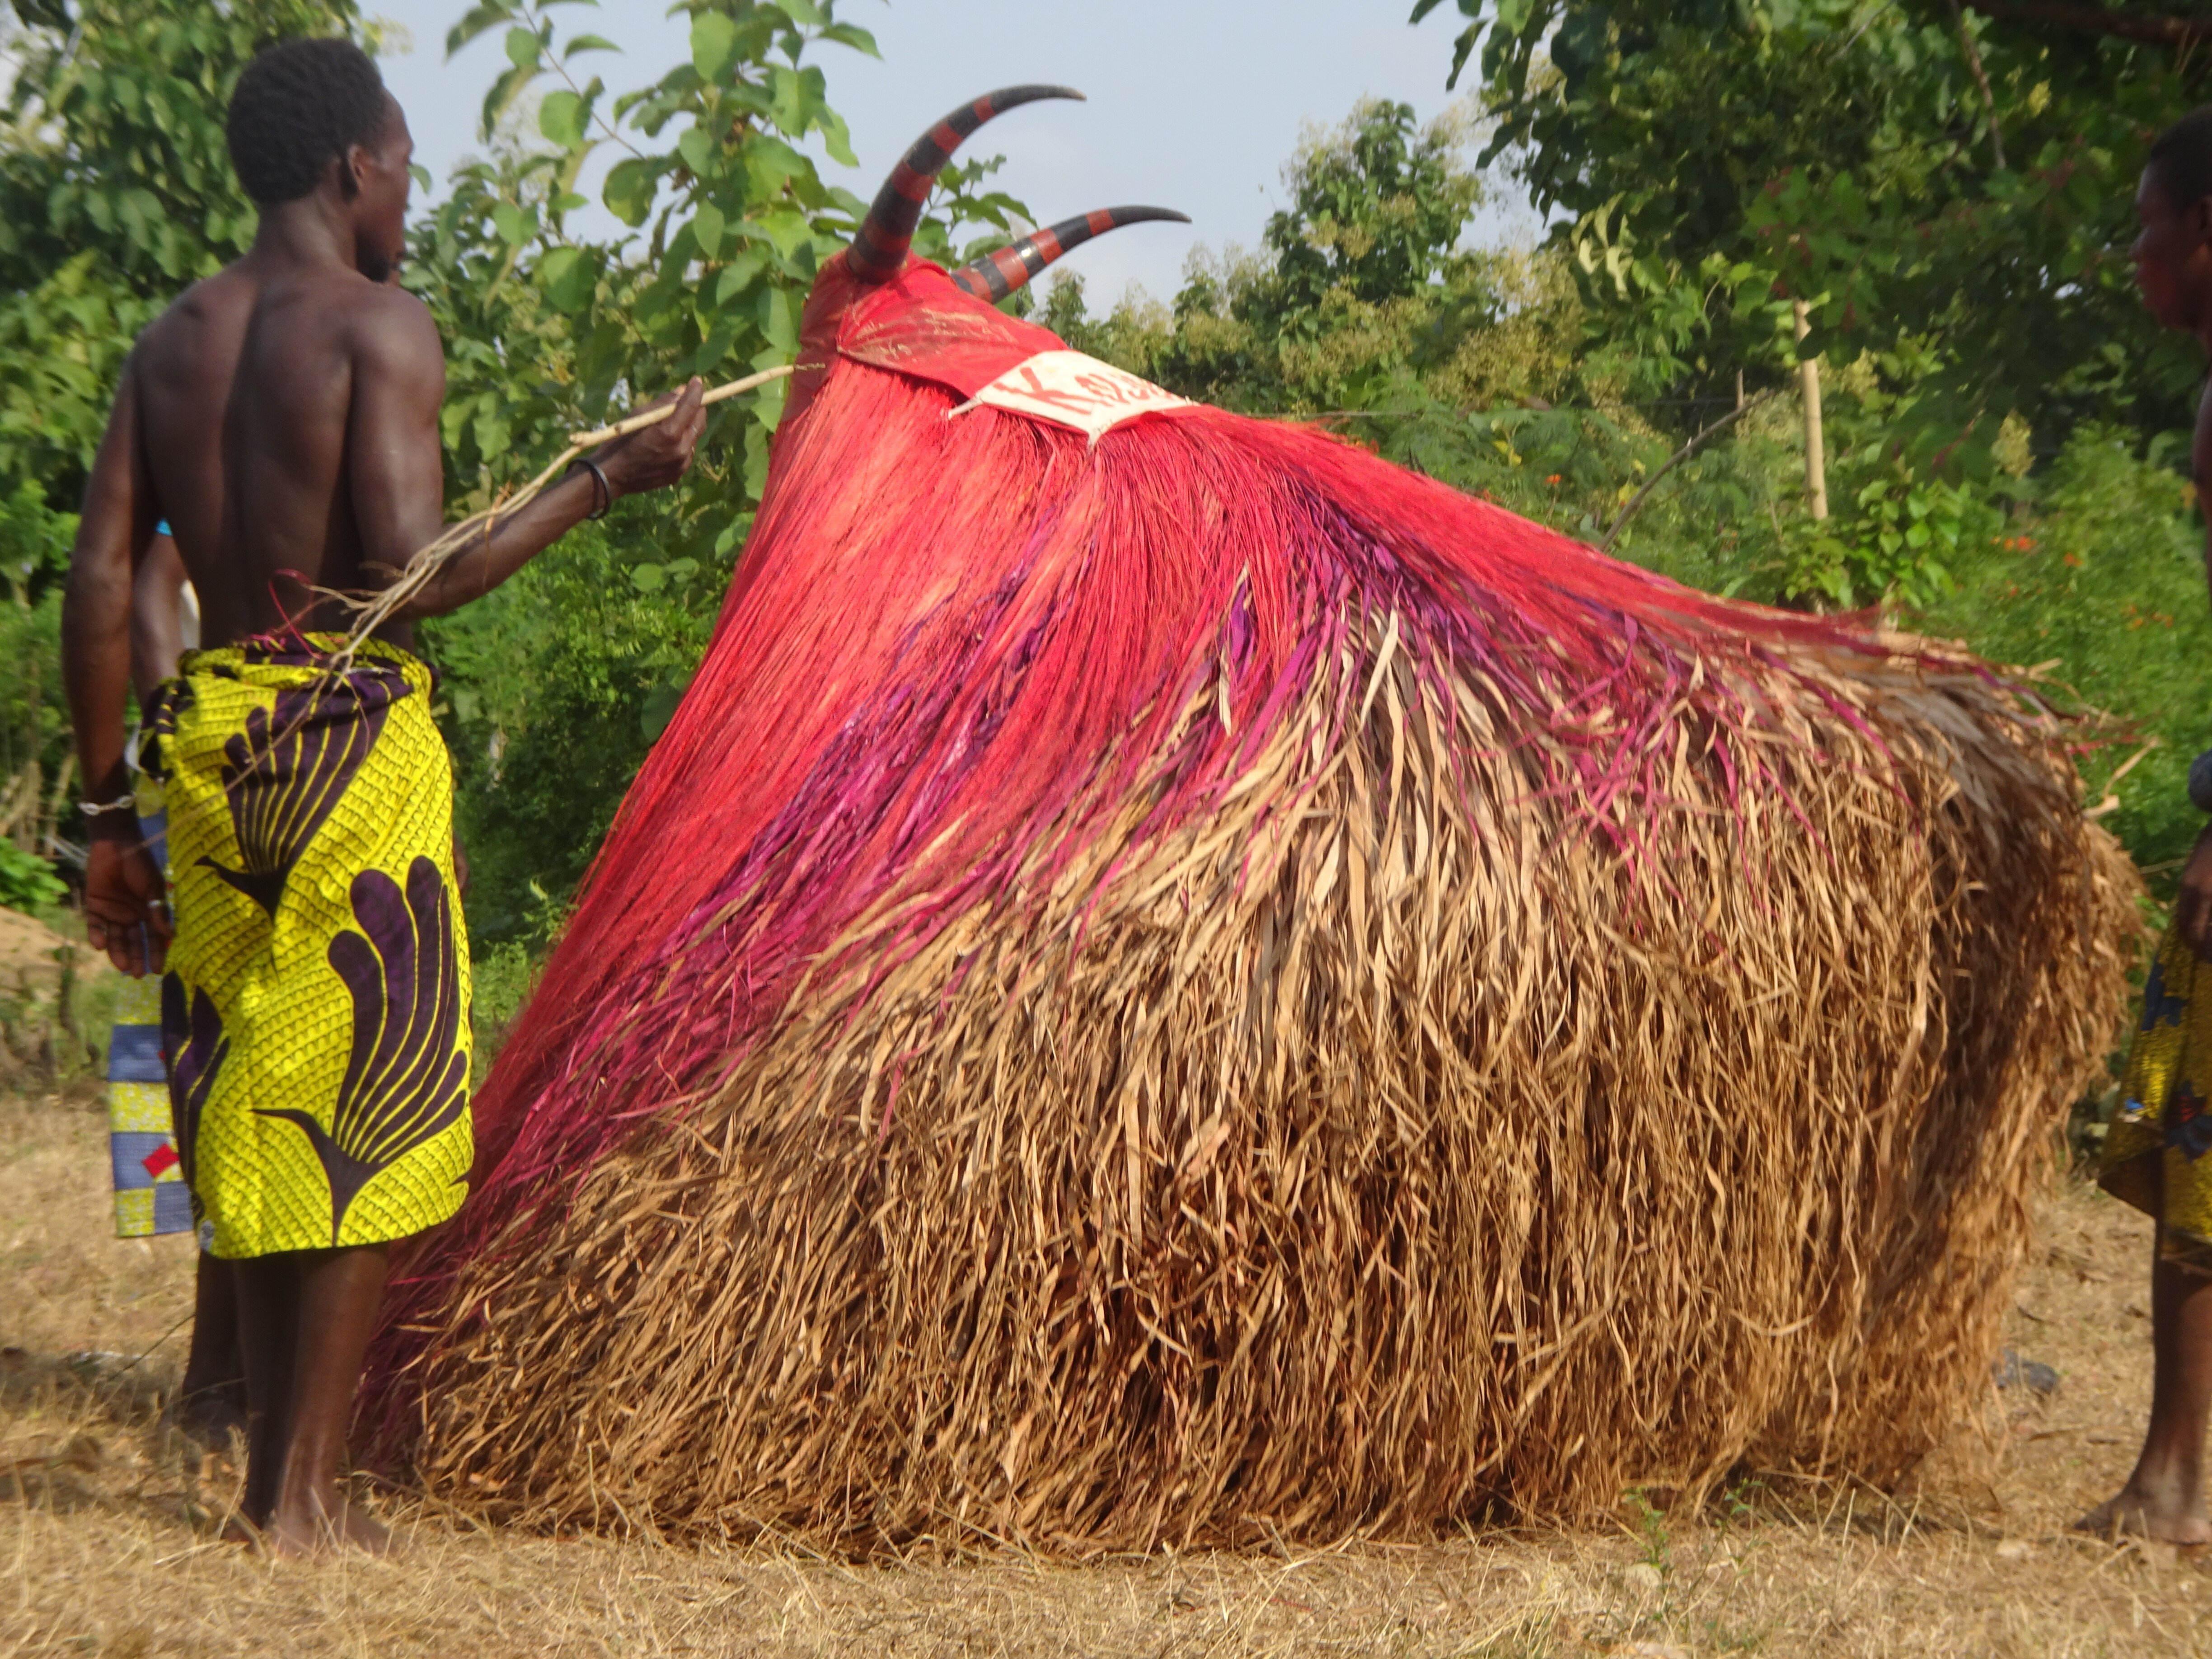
(34, 714)
(2099, 583)
(27, 882)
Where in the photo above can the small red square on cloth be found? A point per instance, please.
(159, 1162)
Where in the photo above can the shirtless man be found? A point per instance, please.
(282, 416)
(2152, 1158)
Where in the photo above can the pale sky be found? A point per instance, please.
(1193, 104)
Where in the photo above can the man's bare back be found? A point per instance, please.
(286, 414)
(276, 351)
(283, 415)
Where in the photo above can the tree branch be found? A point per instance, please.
(2146, 26)
(1981, 79)
(1675, 461)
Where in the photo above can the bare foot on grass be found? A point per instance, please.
(303, 1534)
(364, 1532)
(2166, 1518)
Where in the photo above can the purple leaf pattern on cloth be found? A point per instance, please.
(193, 1048)
(288, 768)
(406, 1078)
(158, 719)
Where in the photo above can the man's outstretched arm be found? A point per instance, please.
(122, 886)
(397, 480)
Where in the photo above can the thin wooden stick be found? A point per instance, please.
(1675, 461)
(423, 569)
(655, 417)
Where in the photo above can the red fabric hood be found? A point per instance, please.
(918, 324)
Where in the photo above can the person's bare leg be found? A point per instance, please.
(267, 1300)
(339, 1291)
(2163, 1498)
(212, 1398)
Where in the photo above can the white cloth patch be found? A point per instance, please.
(1071, 390)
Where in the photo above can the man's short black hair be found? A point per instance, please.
(297, 105)
(2181, 159)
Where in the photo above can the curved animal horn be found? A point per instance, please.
(879, 250)
(995, 276)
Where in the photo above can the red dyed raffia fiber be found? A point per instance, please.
(998, 605)
(958, 671)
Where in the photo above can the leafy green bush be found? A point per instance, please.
(27, 882)
(34, 731)
(2099, 584)
(504, 978)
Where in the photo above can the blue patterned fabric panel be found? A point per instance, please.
(134, 1054)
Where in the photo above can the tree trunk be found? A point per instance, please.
(1816, 460)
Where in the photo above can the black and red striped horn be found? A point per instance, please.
(995, 276)
(879, 251)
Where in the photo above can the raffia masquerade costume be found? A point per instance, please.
(314, 1013)
(1170, 984)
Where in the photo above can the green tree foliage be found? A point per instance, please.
(1365, 306)
(2097, 581)
(35, 746)
(1360, 283)
(556, 686)
(1715, 157)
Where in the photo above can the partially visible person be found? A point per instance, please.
(165, 615)
(151, 1197)
(2154, 1150)
(282, 416)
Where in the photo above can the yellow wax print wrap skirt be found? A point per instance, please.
(315, 1012)
(2154, 1156)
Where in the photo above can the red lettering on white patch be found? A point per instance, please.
(1069, 389)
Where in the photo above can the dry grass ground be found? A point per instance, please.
(107, 1545)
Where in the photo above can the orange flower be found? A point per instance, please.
(1553, 479)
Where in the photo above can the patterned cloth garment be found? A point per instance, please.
(150, 1194)
(2154, 1156)
(315, 1012)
